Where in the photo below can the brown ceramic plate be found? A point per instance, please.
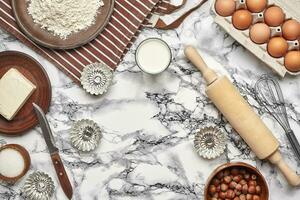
(264, 195)
(33, 71)
(47, 39)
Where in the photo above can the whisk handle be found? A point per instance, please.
(294, 142)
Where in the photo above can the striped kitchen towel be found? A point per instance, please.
(109, 47)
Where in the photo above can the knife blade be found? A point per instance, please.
(54, 153)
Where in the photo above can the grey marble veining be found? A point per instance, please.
(148, 122)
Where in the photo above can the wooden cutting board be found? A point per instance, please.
(47, 39)
(33, 71)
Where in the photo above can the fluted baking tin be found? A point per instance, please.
(85, 135)
(210, 142)
(96, 78)
(38, 186)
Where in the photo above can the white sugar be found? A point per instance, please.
(12, 163)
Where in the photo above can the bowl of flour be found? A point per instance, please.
(62, 24)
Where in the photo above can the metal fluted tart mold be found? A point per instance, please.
(85, 135)
(96, 78)
(210, 142)
(38, 186)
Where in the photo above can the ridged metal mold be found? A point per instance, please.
(210, 142)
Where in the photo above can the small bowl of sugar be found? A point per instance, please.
(14, 162)
(153, 56)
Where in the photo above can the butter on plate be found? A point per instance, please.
(15, 90)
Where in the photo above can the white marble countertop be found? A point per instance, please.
(148, 123)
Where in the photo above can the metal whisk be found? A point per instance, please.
(269, 94)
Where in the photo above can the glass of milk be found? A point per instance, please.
(14, 162)
(153, 56)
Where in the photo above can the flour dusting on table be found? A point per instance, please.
(64, 17)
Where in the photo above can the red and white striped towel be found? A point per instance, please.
(109, 47)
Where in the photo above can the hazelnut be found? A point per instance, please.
(243, 182)
(249, 197)
(232, 184)
(220, 175)
(237, 192)
(226, 172)
(251, 189)
(222, 195)
(256, 197)
(247, 177)
(214, 198)
(236, 198)
(242, 197)
(230, 194)
(238, 187)
(216, 195)
(234, 171)
(218, 188)
(245, 189)
(237, 178)
(251, 182)
(212, 189)
(216, 182)
(224, 187)
(227, 179)
(243, 171)
(258, 189)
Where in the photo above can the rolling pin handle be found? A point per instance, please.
(208, 74)
(288, 173)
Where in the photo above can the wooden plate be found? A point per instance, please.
(47, 39)
(33, 71)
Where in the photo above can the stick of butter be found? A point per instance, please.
(15, 90)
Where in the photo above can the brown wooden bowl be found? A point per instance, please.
(26, 158)
(240, 165)
(26, 118)
(47, 39)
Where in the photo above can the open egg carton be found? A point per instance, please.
(241, 31)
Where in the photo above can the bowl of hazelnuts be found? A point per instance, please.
(237, 181)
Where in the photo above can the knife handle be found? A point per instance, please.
(62, 175)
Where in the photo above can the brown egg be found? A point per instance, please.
(242, 19)
(256, 5)
(274, 16)
(277, 47)
(292, 61)
(291, 29)
(260, 33)
(225, 7)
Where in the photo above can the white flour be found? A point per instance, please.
(64, 17)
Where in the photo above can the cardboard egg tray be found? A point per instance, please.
(291, 10)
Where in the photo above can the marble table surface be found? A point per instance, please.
(148, 123)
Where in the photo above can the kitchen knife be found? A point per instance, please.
(57, 163)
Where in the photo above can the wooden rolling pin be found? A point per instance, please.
(242, 117)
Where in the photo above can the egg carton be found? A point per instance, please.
(291, 10)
